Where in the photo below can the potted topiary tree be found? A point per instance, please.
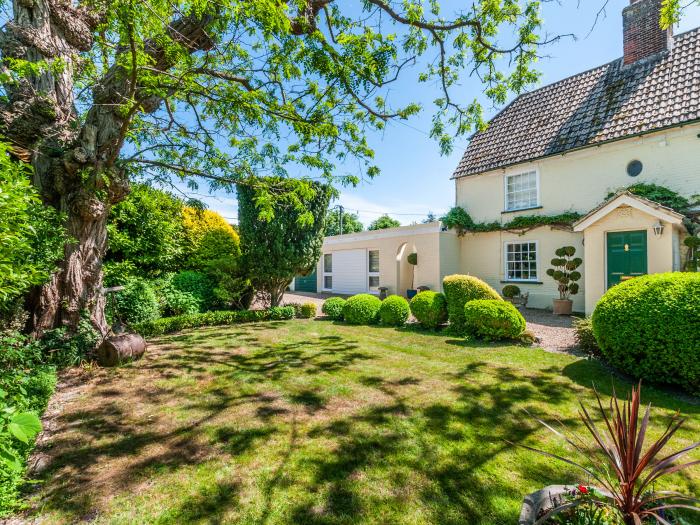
(412, 259)
(565, 274)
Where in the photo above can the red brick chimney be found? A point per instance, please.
(643, 36)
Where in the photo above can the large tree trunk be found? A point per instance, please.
(74, 165)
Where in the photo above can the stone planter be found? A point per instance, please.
(544, 499)
(562, 306)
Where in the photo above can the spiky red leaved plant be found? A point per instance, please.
(620, 446)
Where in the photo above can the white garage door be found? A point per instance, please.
(350, 271)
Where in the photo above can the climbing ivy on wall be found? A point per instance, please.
(458, 219)
(661, 195)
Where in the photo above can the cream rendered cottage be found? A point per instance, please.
(566, 147)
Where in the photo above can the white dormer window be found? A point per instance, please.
(522, 191)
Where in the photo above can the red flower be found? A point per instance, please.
(582, 489)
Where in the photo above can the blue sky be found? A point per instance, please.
(415, 178)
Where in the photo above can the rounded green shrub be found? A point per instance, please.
(649, 327)
(430, 309)
(136, 303)
(394, 311)
(307, 311)
(282, 313)
(493, 319)
(198, 284)
(333, 308)
(459, 290)
(510, 291)
(362, 309)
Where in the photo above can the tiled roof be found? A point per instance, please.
(608, 103)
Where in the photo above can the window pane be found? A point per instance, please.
(328, 263)
(328, 282)
(521, 191)
(521, 261)
(373, 281)
(374, 261)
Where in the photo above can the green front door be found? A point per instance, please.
(627, 255)
(306, 283)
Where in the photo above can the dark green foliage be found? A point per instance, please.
(648, 328)
(362, 309)
(429, 308)
(285, 239)
(307, 311)
(333, 308)
(146, 234)
(692, 263)
(281, 313)
(394, 311)
(459, 290)
(459, 220)
(167, 325)
(383, 222)
(351, 224)
(510, 291)
(660, 194)
(136, 303)
(585, 338)
(198, 284)
(412, 259)
(63, 348)
(565, 271)
(493, 319)
(26, 384)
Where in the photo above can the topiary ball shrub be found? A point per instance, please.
(307, 311)
(430, 309)
(362, 309)
(394, 311)
(649, 327)
(510, 290)
(459, 290)
(493, 319)
(333, 308)
(136, 303)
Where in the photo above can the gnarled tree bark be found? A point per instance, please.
(74, 163)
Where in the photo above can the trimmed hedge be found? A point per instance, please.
(649, 327)
(307, 311)
(362, 309)
(430, 309)
(167, 325)
(333, 308)
(136, 303)
(459, 290)
(394, 311)
(282, 313)
(493, 319)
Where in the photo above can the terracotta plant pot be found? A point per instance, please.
(562, 306)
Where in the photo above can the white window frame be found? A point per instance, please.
(537, 262)
(325, 273)
(373, 289)
(505, 189)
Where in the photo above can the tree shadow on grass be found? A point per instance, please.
(103, 448)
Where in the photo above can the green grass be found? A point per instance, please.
(311, 422)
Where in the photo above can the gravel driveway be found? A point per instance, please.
(554, 332)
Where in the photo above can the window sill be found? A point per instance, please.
(511, 281)
(521, 209)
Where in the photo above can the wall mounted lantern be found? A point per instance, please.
(658, 228)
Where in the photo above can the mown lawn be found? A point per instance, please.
(315, 422)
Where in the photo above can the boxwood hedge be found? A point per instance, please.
(459, 290)
(649, 327)
(493, 319)
(394, 311)
(430, 309)
(333, 308)
(362, 309)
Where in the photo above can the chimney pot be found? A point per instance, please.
(642, 33)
